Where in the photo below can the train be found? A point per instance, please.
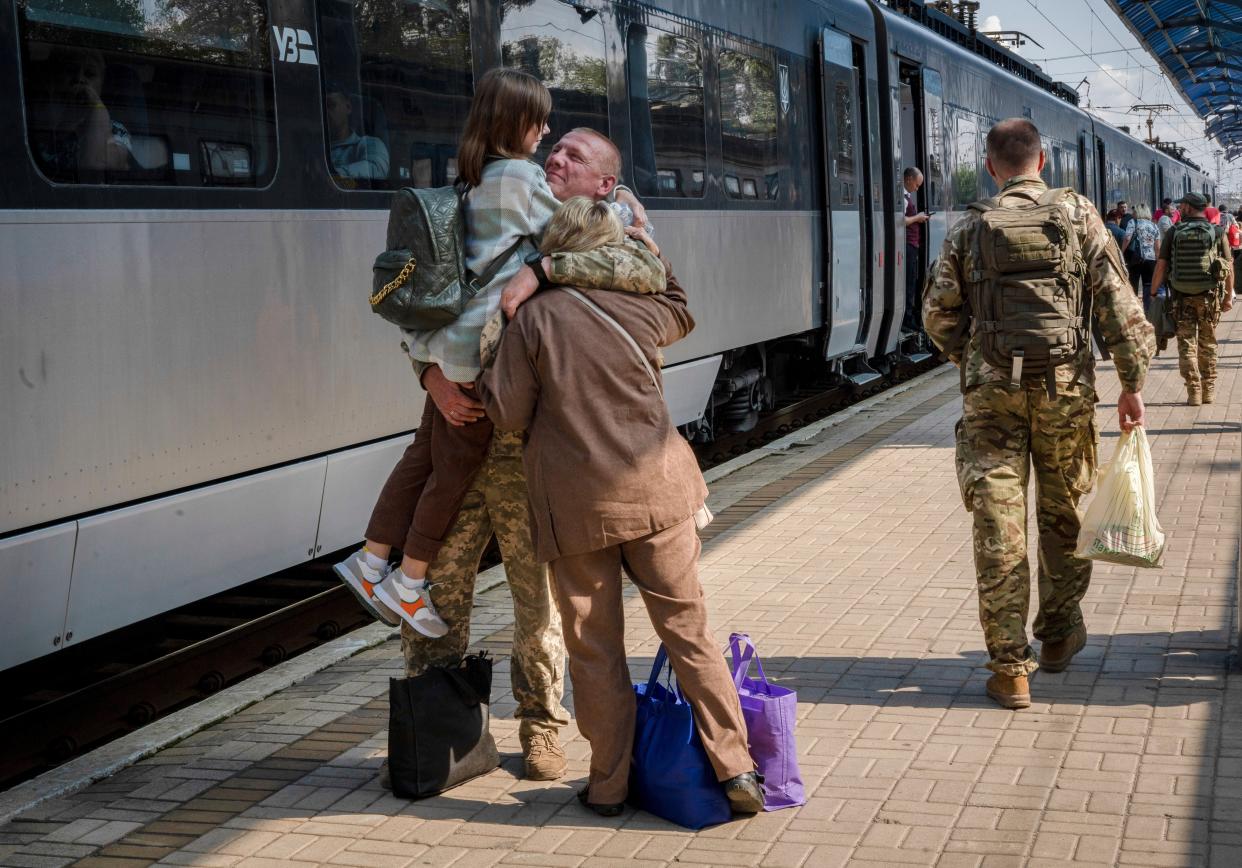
(197, 395)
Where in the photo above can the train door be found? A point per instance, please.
(913, 140)
(845, 160)
(1085, 175)
(1101, 177)
(1158, 196)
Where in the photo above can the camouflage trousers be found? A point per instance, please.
(1002, 434)
(1196, 317)
(496, 501)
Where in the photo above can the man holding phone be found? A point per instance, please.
(911, 180)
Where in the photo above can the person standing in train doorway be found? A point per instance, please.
(1028, 396)
(1197, 262)
(911, 181)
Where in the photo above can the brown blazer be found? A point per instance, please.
(604, 463)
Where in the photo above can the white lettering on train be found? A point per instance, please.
(294, 46)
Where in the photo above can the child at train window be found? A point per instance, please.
(509, 203)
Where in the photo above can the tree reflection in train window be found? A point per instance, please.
(397, 82)
(748, 109)
(133, 92)
(563, 46)
(966, 168)
(669, 135)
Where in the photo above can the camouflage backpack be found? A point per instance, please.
(1026, 291)
(1195, 259)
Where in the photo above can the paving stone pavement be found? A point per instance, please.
(848, 560)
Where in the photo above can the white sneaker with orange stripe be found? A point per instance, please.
(361, 578)
(413, 605)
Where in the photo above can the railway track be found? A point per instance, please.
(77, 699)
(803, 408)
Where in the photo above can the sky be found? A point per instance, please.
(1086, 39)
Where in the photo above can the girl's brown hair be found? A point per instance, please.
(580, 225)
(507, 104)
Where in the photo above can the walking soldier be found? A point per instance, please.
(1196, 260)
(1010, 301)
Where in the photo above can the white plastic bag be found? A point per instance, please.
(1121, 525)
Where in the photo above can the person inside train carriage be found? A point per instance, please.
(355, 156)
(914, 219)
(1142, 247)
(1028, 396)
(576, 374)
(73, 135)
(457, 483)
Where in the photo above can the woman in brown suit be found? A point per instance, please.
(613, 486)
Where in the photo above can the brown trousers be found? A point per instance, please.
(664, 567)
(423, 494)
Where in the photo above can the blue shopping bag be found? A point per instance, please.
(670, 774)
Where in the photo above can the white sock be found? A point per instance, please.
(410, 582)
(374, 561)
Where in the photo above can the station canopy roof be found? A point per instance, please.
(1199, 44)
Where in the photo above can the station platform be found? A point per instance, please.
(845, 552)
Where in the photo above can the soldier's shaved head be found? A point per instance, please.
(1014, 147)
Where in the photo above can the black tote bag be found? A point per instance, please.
(438, 728)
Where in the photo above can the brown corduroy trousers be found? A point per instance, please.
(664, 567)
(424, 492)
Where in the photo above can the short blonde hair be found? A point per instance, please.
(580, 225)
(1142, 212)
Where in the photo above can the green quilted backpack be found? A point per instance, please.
(421, 281)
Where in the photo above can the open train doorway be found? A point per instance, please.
(914, 246)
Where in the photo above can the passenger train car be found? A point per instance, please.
(194, 392)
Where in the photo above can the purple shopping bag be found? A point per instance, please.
(770, 712)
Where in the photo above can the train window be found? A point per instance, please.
(670, 132)
(397, 81)
(843, 156)
(149, 93)
(933, 94)
(748, 123)
(563, 46)
(965, 161)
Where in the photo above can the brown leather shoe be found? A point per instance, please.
(544, 757)
(1010, 691)
(1055, 656)
(1194, 397)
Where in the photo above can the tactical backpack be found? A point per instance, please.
(1026, 294)
(1196, 265)
(421, 281)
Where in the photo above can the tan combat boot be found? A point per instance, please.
(1010, 691)
(1055, 656)
(1209, 393)
(544, 757)
(1194, 397)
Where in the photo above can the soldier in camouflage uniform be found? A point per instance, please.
(1006, 429)
(1196, 315)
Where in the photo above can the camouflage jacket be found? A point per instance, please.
(627, 266)
(1117, 312)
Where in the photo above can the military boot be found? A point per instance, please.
(1209, 393)
(1055, 656)
(544, 758)
(1194, 397)
(1010, 691)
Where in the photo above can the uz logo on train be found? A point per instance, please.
(294, 46)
